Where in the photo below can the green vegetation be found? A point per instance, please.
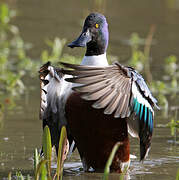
(42, 164)
(10, 49)
(177, 177)
(15, 65)
(18, 176)
(62, 152)
(109, 162)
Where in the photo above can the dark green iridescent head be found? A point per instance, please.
(94, 35)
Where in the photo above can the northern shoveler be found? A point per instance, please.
(99, 103)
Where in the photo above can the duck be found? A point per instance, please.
(100, 104)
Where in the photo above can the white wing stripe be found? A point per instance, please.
(136, 93)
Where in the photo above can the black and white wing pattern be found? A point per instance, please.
(120, 91)
(53, 92)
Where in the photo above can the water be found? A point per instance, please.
(38, 20)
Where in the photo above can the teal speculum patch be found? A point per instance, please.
(144, 113)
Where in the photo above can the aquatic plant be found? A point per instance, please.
(47, 149)
(42, 163)
(42, 166)
(18, 176)
(56, 48)
(109, 162)
(174, 126)
(13, 59)
(168, 90)
(14, 62)
(177, 176)
(62, 152)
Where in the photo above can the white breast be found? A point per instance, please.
(99, 60)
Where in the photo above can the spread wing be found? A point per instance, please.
(120, 91)
(52, 103)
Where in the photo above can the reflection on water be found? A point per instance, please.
(21, 131)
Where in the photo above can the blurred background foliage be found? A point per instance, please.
(15, 64)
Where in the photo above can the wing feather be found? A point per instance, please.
(96, 94)
(52, 88)
(120, 91)
(113, 104)
(104, 100)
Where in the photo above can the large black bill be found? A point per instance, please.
(82, 40)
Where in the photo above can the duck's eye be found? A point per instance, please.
(97, 26)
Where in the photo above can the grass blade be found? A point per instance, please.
(109, 161)
(41, 169)
(28, 177)
(47, 148)
(36, 159)
(19, 176)
(177, 177)
(61, 152)
(44, 173)
(9, 176)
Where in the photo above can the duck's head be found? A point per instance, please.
(94, 35)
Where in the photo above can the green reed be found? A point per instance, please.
(43, 168)
(177, 176)
(18, 176)
(109, 162)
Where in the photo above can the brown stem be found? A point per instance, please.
(147, 48)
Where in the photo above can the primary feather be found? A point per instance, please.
(120, 91)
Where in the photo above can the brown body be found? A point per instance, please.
(95, 133)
